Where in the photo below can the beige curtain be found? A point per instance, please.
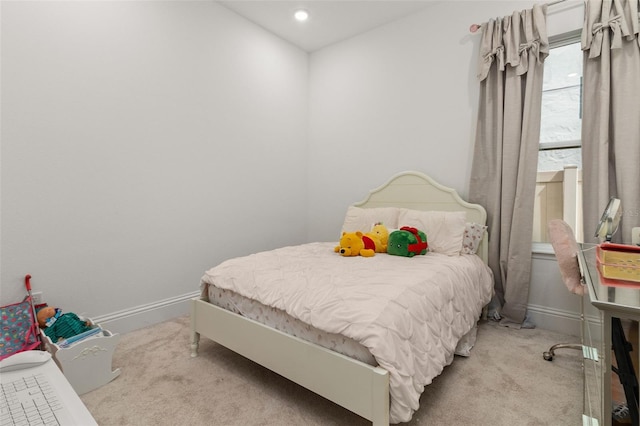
(503, 174)
(611, 113)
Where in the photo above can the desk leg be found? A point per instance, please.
(625, 369)
(606, 370)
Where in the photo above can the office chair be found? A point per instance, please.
(566, 249)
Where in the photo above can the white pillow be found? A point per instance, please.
(473, 234)
(359, 219)
(444, 230)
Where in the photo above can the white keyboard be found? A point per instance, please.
(37, 393)
(29, 400)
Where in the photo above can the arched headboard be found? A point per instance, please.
(417, 191)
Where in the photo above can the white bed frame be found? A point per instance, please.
(357, 386)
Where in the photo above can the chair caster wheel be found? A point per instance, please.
(548, 356)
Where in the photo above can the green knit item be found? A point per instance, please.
(67, 325)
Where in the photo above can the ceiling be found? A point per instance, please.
(329, 21)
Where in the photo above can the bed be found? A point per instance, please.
(365, 333)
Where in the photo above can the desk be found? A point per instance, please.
(612, 302)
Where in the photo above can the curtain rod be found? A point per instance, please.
(475, 27)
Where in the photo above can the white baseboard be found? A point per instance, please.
(560, 321)
(146, 315)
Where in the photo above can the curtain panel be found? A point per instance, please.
(611, 113)
(504, 167)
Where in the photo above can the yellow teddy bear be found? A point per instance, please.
(381, 233)
(357, 244)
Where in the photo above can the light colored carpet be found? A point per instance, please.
(505, 381)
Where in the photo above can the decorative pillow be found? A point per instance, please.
(359, 219)
(472, 237)
(444, 230)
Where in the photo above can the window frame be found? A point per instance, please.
(557, 41)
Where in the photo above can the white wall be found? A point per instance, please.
(133, 136)
(133, 133)
(405, 96)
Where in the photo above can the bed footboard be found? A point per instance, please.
(354, 385)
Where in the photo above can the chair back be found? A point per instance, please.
(566, 249)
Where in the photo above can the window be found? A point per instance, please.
(558, 188)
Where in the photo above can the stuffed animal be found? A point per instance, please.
(380, 232)
(407, 241)
(58, 326)
(357, 244)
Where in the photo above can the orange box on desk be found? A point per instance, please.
(618, 262)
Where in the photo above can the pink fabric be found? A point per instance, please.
(566, 249)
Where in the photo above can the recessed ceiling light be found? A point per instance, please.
(301, 15)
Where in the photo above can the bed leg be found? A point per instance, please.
(381, 422)
(380, 397)
(195, 336)
(195, 342)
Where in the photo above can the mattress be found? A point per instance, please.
(281, 321)
(409, 313)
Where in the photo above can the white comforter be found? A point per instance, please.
(409, 312)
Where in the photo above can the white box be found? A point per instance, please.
(87, 363)
(635, 235)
